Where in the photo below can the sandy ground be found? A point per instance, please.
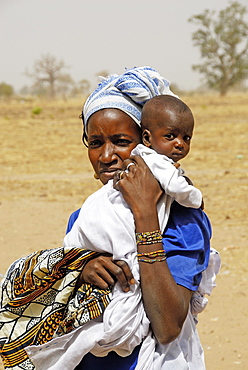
(45, 175)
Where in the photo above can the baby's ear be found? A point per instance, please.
(146, 136)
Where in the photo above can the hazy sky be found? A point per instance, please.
(96, 35)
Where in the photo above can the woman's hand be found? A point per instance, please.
(103, 272)
(138, 186)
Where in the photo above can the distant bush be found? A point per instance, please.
(37, 110)
(6, 90)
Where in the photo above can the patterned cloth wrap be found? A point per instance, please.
(127, 92)
(38, 301)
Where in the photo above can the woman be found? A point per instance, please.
(111, 117)
(108, 151)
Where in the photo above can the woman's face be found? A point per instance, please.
(112, 135)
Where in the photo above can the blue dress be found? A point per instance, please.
(186, 240)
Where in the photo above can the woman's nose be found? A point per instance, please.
(107, 153)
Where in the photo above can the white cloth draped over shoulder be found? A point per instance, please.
(106, 224)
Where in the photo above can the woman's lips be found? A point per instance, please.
(108, 174)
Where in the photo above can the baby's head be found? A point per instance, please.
(167, 124)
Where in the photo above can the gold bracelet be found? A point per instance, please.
(158, 253)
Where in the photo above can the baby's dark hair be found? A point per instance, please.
(161, 101)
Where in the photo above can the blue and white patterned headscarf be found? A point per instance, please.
(127, 92)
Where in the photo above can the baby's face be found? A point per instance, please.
(171, 133)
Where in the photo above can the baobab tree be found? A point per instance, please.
(48, 72)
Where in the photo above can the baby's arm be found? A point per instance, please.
(190, 183)
(184, 193)
(173, 183)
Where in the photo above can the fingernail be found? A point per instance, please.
(132, 281)
(126, 289)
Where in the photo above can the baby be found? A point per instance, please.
(167, 127)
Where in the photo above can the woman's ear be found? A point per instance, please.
(146, 138)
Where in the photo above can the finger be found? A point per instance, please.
(98, 272)
(127, 162)
(119, 175)
(94, 279)
(107, 272)
(140, 165)
(117, 178)
(125, 276)
(128, 168)
(105, 277)
(116, 184)
(137, 160)
(110, 272)
(102, 283)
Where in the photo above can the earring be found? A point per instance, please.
(96, 176)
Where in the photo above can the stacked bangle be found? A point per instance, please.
(151, 260)
(146, 238)
(149, 237)
(160, 253)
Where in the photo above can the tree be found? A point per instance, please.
(84, 86)
(48, 72)
(6, 90)
(65, 83)
(223, 43)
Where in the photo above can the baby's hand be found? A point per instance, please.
(176, 164)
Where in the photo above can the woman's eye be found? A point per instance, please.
(123, 142)
(94, 143)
